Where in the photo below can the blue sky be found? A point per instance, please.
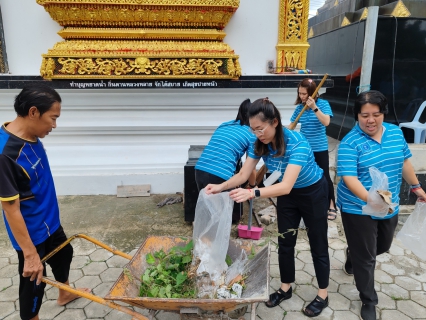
(314, 5)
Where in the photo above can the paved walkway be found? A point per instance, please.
(124, 224)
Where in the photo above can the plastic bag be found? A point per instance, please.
(413, 233)
(376, 205)
(212, 229)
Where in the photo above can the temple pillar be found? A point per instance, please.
(292, 44)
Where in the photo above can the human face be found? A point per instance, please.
(370, 120)
(264, 130)
(303, 94)
(44, 124)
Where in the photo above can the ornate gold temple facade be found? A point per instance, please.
(141, 39)
(292, 44)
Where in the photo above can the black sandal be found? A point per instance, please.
(316, 306)
(277, 297)
(332, 214)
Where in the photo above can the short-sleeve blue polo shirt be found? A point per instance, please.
(298, 152)
(358, 152)
(312, 128)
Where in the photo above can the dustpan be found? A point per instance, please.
(249, 232)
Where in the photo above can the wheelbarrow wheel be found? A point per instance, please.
(236, 314)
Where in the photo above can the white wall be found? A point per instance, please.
(107, 138)
(30, 32)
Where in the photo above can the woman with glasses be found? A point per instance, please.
(301, 192)
(371, 143)
(228, 144)
(313, 122)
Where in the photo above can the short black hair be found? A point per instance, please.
(40, 96)
(373, 97)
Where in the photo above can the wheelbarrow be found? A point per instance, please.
(126, 288)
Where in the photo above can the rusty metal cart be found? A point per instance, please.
(126, 288)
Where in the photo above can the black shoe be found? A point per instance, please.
(347, 266)
(315, 307)
(368, 312)
(277, 297)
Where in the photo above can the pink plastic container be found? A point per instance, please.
(255, 232)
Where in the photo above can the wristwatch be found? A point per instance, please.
(257, 193)
(316, 110)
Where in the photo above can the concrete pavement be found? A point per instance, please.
(125, 223)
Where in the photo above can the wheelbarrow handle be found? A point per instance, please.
(87, 295)
(96, 242)
(94, 298)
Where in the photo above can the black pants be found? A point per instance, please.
(321, 158)
(311, 204)
(367, 238)
(30, 294)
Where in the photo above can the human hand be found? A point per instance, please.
(310, 102)
(33, 268)
(421, 195)
(241, 195)
(212, 188)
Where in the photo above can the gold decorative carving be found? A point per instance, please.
(138, 33)
(64, 67)
(401, 10)
(364, 14)
(345, 22)
(141, 39)
(292, 44)
(2, 62)
(108, 48)
(232, 3)
(142, 16)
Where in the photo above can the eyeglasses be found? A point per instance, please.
(259, 132)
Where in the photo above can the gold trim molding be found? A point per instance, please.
(292, 44)
(139, 33)
(230, 3)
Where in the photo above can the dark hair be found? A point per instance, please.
(266, 111)
(373, 97)
(310, 86)
(35, 95)
(242, 112)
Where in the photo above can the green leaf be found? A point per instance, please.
(186, 259)
(150, 259)
(180, 278)
(162, 293)
(153, 292)
(228, 260)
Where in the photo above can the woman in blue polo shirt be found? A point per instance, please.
(228, 144)
(301, 191)
(371, 143)
(313, 122)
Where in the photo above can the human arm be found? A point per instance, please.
(284, 187)
(323, 118)
(239, 178)
(33, 267)
(356, 187)
(409, 175)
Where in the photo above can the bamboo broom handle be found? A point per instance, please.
(293, 125)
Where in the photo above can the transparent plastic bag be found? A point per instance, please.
(413, 233)
(376, 206)
(212, 229)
